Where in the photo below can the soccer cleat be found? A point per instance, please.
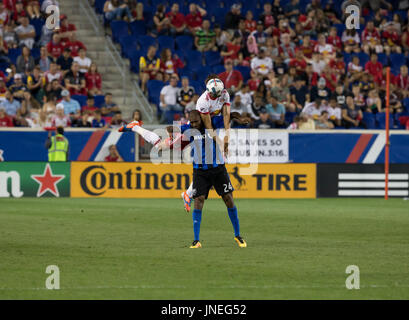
(196, 244)
(186, 201)
(129, 126)
(240, 241)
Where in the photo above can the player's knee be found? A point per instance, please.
(199, 201)
(228, 200)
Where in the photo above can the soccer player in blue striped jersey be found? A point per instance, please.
(208, 171)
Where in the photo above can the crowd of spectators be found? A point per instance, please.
(285, 63)
(46, 78)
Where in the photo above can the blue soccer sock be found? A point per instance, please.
(234, 220)
(197, 219)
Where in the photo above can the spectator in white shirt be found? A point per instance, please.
(26, 33)
(60, 119)
(262, 65)
(168, 97)
(314, 109)
(83, 61)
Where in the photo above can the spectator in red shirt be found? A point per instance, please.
(298, 62)
(250, 23)
(334, 39)
(74, 45)
(402, 81)
(232, 79)
(18, 11)
(90, 106)
(5, 120)
(371, 39)
(93, 80)
(283, 28)
(114, 155)
(374, 67)
(232, 50)
(267, 17)
(177, 20)
(54, 47)
(338, 64)
(168, 64)
(66, 29)
(307, 46)
(331, 79)
(392, 39)
(194, 19)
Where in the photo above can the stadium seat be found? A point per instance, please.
(99, 100)
(146, 41)
(383, 58)
(369, 120)
(154, 88)
(166, 42)
(38, 26)
(289, 117)
(119, 28)
(82, 99)
(212, 58)
(138, 27)
(202, 73)
(397, 60)
(13, 54)
(194, 59)
(35, 52)
(134, 60)
(185, 72)
(218, 69)
(245, 72)
(340, 28)
(99, 6)
(363, 58)
(406, 104)
(198, 86)
(128, 44)
(184, 42)
(171, 116)
(381, 118)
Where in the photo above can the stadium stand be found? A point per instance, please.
(387, 38)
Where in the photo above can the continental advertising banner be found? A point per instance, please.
(147, 180)
(34, 179)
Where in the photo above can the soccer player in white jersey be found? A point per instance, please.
(214, 108)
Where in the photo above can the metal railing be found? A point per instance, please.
(137, 97)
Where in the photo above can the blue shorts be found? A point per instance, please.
(217, 122)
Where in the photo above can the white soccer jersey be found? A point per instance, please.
(205, 104)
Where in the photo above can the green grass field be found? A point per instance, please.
(138, 249)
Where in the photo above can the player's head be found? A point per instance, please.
(214, 86)
(195, 119)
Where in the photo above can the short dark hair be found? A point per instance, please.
(210, 77)
(60, 130)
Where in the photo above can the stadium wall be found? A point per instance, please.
(346, 146)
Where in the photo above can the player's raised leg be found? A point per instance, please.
(147, 135)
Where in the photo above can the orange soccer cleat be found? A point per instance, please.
(129, 126)
(186, 201)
